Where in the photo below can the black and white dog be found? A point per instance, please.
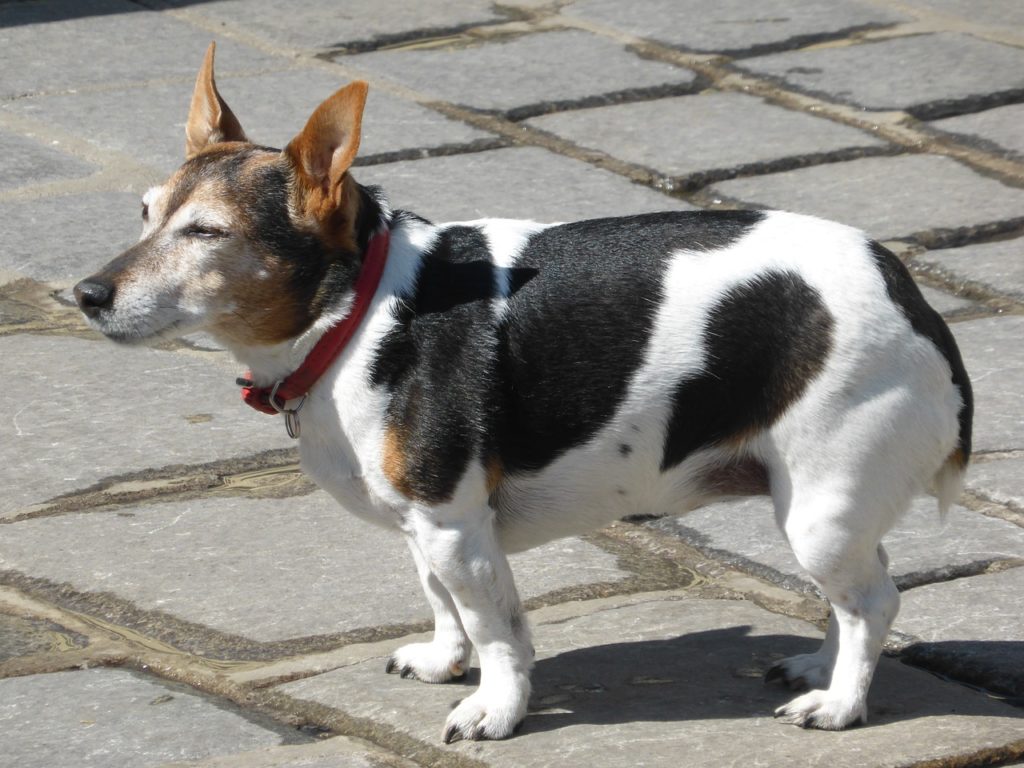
(498, 384)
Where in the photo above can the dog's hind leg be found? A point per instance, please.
(814, 670)
(447, 655)
(837, 544)
(462, 551)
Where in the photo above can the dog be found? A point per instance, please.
(496, 384)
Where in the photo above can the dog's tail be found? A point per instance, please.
(948, 482)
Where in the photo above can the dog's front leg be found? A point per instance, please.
(447, 655)
(461, 549)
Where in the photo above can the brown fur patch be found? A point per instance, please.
(958, 458)
(744, 476)
(495, 472)
(393, 461)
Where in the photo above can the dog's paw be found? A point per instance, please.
(818, 709)
(485, 716)
(799, 673)
(429, 662)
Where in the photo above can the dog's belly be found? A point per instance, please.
(595, 485)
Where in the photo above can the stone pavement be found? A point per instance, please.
(174, 592)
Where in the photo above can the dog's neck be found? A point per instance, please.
(269, 364)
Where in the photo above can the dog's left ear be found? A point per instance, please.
(326, 147)
(210, 120)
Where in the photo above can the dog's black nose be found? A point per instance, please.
(93, 294)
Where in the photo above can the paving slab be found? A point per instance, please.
(87, 410)
(735, 27)
(63, 239)
(999, 479)
(998, 13)
(927, 87)
(889, 197)
(999, 128)
(272, 108)
(702, 132)
(315, 24)
(744, 533)
(944, 303)
(522, 183)
(650, 680)
(993, 352)
(336, 752)
(319, 569)
(25, 636)
(999, 266)
(25, 161)
(970, 629)
(530, 71)
(105, 41)
(114, 717)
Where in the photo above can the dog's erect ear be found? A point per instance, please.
(210, 120)
(326, 147)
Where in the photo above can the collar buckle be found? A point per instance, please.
(291, 415)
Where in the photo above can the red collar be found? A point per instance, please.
(273, 399)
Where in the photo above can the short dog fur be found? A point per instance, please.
(514, 382)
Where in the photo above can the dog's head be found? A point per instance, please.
(242, 241)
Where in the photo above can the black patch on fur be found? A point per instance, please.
(437, 363)
(764, 341)
(625, 449)
(581, 302)
(573, 335)
(905, 294)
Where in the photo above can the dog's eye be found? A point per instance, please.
(145, 212)
(204, 231)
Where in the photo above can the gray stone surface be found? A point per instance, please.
(863, 74)
(522, 71)
(650, 678)
(113, 718)
(272, 108)
(336, 752)
(70, 415)
(942, 302)
(734, 26)
(105, 41)
(999, 265)
(63, 239)
(889, 197)
(326, 23)
(319, 569)
(23, 637)
(744, 533)
(970, 629)
(528, 183)
(999, 126)
(1001, 14)
(993, 352)
(24, 161)
(999, 479)
(706, 131)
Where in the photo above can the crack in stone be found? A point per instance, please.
(455, 36)
(421, 153)
(610, 98)
(270, 474)
(694, 181)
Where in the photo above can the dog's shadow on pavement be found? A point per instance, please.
(716, 674)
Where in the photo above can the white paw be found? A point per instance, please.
(808, 670)
(488, 714)
(819, 709)
(430, 662)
